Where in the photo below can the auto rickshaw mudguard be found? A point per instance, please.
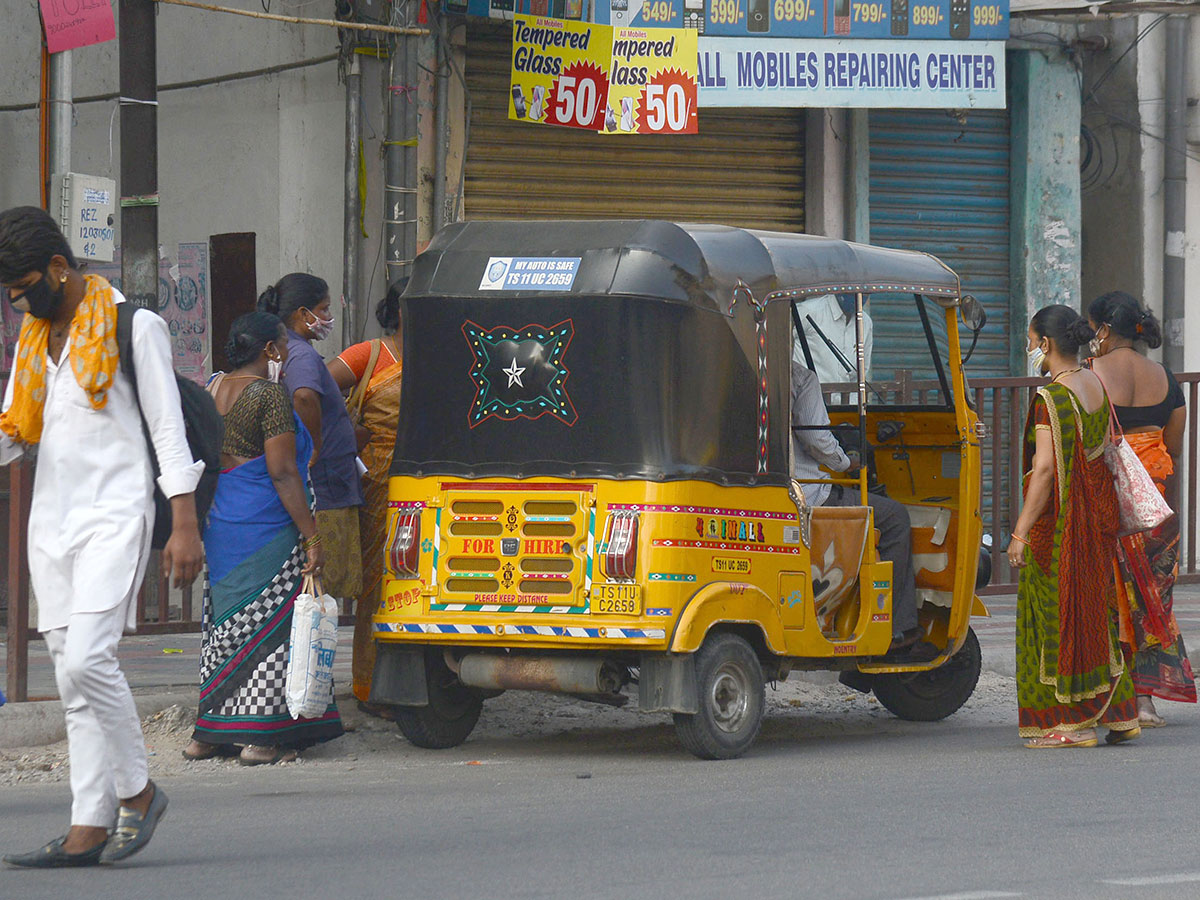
(399, 677)
(727, 602)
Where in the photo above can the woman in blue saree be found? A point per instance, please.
(260, 540)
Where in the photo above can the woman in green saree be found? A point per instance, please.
(1071, 676)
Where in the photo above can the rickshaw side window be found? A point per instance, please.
(910, 363)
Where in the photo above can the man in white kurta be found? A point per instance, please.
(90, 528)
(833, 314)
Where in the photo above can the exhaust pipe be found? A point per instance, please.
(539, 673)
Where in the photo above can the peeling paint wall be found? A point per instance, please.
(1045, 198)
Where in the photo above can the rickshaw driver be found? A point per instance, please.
(813, 448)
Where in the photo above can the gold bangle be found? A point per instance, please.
(1017, 537)
(311, 542)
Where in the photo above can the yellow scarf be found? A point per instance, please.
(93, 354)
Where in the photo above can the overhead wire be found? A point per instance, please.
(194, 83)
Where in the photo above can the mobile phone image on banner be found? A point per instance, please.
(759, 18)
(694, 15)
(960, 19)
(841, 17)
(899, 17)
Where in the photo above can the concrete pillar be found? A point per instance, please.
(858, 176)
(825, 172)
(1045, 193)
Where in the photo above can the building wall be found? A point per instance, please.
(1112, 189)
(1192, 246)
(264, 154)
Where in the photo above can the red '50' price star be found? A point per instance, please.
(580, 96)
(668, 104)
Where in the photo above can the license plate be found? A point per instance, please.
(617, 599)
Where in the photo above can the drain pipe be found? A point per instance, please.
(1175, 191)
(61, 113)
(442, 99)
(400, 166)
(353, 204)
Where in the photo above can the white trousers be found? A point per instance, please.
(104, 734)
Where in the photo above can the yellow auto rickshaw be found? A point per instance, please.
(592, 484)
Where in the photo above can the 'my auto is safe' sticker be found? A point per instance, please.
(529, 273)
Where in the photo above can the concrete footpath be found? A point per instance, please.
(162, 669)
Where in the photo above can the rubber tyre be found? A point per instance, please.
(933, 695)
(452, 712)
(729, 683)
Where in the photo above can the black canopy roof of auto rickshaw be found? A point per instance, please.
(686, 263)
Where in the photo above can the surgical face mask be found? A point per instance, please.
(42, 301)
(320, 328)
(274, 368)
(1037, 357)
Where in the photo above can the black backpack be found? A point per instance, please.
(204, 426)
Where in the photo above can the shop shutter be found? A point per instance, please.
(940, 184)
(744, 168)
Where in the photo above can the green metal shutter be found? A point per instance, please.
(940, 183)
(744, 168)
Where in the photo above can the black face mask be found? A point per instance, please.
(43, 301)
(849, 305)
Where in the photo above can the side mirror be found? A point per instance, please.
(974, 316)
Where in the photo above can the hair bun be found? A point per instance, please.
(268, 300)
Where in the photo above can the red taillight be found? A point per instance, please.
(620, 552)
(404, 544)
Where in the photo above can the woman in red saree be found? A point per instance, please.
(1071, 675)
(1149, 405)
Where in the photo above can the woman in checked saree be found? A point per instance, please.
(1071, 676)
(261, 540)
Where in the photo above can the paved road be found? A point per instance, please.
(866, 808)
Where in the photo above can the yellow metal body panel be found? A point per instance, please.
(508, 563)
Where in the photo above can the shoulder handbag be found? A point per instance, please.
(1142, 506)
(354, 402)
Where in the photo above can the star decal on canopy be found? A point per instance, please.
(519, 372)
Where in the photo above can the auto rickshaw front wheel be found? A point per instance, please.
(729, 685)
(929, 696)
(451, 714)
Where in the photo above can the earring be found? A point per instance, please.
(62, 279)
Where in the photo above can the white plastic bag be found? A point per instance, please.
(309, 685)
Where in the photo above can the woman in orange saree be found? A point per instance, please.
(1071, 676)
(378, 362)
(1150, 406)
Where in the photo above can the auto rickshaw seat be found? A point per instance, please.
(838, 544)
(935, 549)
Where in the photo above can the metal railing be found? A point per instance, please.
(1002, 403)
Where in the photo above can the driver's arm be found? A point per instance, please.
(809, 409)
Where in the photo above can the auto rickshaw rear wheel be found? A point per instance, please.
(451, 714)
(933, 695)
(729, 685)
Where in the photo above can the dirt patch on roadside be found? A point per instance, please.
(821, 707)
